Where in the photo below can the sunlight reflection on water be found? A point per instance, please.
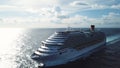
(8, 47)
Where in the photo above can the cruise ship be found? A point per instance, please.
(66, 46)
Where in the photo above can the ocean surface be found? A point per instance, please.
(17, 45)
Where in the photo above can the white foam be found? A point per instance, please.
(113, 39)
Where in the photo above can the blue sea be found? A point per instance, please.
(17, 45)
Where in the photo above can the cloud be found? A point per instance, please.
(30, 6)
(94, 5)
(25, 22)
(34, 3)
(8, 7)
(62, 16)
(73, 21)
(116, 6)
(55, 12)
(111, 18)
(57, 9)
(58, 12)
(105, 21)
(79, 3)
(97, 6)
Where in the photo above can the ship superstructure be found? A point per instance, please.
(66, 46)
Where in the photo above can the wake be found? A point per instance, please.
(112, 39)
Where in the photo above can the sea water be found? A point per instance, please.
(17, 45)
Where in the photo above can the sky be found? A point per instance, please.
(59, 13)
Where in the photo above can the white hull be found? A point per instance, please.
(72, 54)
